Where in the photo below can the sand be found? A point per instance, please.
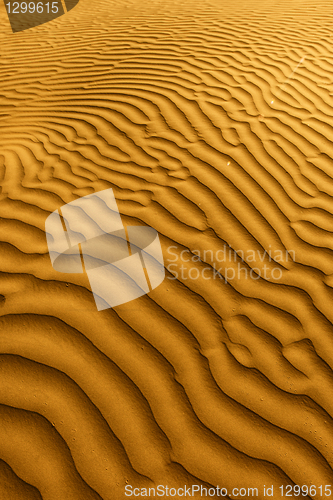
(212, 123)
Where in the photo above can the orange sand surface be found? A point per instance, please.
(212, 122)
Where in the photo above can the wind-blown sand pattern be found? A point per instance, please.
(212, 123)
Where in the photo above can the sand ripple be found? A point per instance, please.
(212, 123)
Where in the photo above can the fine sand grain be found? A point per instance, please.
(212, 122)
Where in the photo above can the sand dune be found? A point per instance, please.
(212, 122)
